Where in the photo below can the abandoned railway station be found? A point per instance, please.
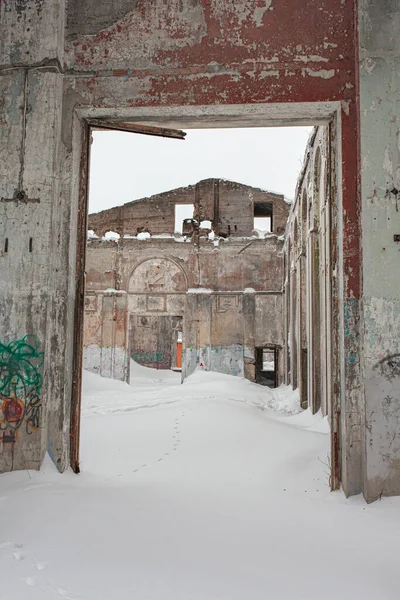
(313, 303)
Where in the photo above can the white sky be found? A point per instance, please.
(128, 166)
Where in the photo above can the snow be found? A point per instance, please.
(260, 233)
(114, 291)
(144, 235)
(205, 225)
(199, 290)
(111, 235)
(216, 489)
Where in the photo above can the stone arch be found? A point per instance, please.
(157, 274)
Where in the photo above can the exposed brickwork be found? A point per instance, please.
(223, 324)
(228, 205)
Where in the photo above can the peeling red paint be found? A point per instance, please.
(224, 52)
(120, 72)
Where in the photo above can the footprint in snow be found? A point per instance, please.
(18, 555)
(30, 580)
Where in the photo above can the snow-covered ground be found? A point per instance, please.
(216, 489)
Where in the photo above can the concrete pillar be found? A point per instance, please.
(249, 312)
(197, 333)
(379, 52)
(30, 114)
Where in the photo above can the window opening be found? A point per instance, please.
(263, 216)
(266, 366)
(182, 212)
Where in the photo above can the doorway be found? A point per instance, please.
(267, 366)
(259, 366)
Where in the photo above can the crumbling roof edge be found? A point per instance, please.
(192, 186)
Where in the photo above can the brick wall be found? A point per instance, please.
(228, 205)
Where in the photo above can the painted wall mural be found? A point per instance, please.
(20, 387)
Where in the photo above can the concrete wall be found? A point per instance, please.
(380, 184)
(222, 331)
(106, 328)
(32, 302)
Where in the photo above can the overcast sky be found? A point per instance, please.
(128, 166)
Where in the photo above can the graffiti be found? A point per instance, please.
(389, 367)
(156, 359)
(20, 386)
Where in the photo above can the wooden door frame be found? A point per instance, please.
(80, 276)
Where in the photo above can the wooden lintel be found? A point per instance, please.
(136, 128)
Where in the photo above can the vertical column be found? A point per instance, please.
(379, 24)
(31, 88)
(249, 319)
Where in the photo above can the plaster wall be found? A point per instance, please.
(380, 184)
(160, 278)
(31, 92)
(106, 329)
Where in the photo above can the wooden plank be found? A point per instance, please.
(76, 398)
(136, 128)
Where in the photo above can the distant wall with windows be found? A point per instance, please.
(207, 298)
(230, 207)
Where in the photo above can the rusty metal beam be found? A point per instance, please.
(135, 128)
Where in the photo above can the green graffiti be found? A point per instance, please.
(20, 386)
(20, 364)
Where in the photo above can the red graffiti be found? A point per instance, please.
(13, 409)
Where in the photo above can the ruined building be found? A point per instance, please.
(211, 296)
(66, 67)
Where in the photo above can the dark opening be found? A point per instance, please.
(6, 245)
(30, 244)
(266, 366)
